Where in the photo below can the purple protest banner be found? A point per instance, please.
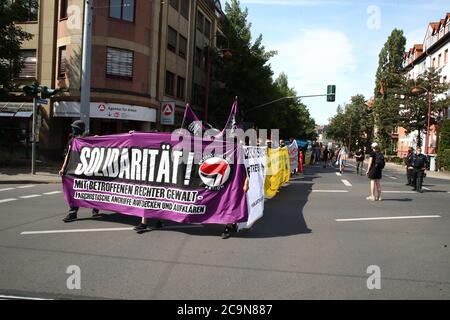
(150, 175)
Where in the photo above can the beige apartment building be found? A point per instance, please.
(145, 54)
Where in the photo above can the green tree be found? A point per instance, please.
(444, 144)
(415, 103)
(11, 39)
(388, 86)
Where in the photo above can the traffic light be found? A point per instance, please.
(331, 93)
(32, 90)
(47, 93)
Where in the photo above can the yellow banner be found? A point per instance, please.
(277, 171)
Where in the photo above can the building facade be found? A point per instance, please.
(145, 55)
(433, 52)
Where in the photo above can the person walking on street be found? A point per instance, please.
(420, 162)
(78, 131)
(343, 154)
(325, 157)
(375, 172)
(359, 161)
(409, 166)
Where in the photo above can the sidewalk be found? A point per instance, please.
(22, 175)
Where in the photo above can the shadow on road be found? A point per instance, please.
(283, 214)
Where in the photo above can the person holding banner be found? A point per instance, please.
(78, 131)
(233, 226)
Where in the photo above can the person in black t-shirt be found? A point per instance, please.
(78, 131)
(374, 173)
(409, 166)
(359, 161)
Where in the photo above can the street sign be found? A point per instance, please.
(167, 113)
(42, 101)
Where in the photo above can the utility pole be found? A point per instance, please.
(33, 137)
(85, 100)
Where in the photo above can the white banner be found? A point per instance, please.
(105, 111)
(293, 155)
(255, 163)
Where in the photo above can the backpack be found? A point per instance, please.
(379, 160)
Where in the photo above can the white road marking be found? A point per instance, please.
(347, 183)
(27, 186)
(7, 200)
(21, 298)
(52, 192)
(6, 189)
(330, 191)
(100, 230)
(30, 196)
(338, 174)
(425, 188)
(388, 218)
(399, 192)
(75, 231)
(394, 178)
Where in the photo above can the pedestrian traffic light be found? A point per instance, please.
(32, 90)
(331, 93)
(47, 93)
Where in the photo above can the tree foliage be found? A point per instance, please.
(388, 84)
(248, 75)
(11, 38)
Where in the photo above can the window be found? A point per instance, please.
(182, 47)
(122, 9)
(174, 4)
(445, 56)
(434, 62)
(119, 62)
(170, 83)
(200, 21)
(63, 9)
(184, 8)
(198, 57)
(439, 60)
(172, 39)
(444, 79)
(181, 82)
(29, 62)
(197, 97)
(31, 13)
(207, 28)
(62, 62)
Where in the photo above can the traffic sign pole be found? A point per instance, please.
(33, 137)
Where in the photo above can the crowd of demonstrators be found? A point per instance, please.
(375, 172)
(78, 131)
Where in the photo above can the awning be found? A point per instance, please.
(16, 109)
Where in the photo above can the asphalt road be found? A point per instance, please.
(298, 250)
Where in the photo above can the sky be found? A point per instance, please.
(321, 42)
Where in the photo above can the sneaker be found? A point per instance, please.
(226, 233)
(378, 199)
(140, 227)
(95, 213)
(72, 216)
(370, 198)
(158, 224)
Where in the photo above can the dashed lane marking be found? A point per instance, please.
(347, 183)
(6, 189)
(52, 192)
(7, 200)
(388, 218)
(27, 186)
(30, 196)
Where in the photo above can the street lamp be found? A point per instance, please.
(415, 90)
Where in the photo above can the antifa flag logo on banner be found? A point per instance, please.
(214, 172)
